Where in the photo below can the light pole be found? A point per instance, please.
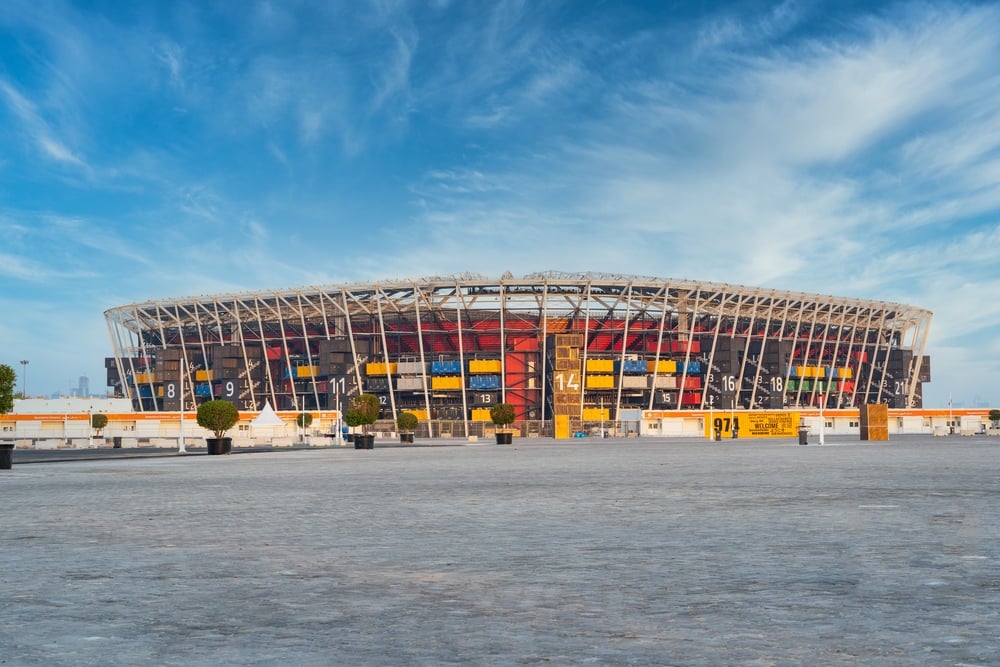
(180, 427)
(822, 419)
(340, 416)
(24, 375)
(951, 417)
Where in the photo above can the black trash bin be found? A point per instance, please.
(6, 455)
(116, 442)
(803, 435)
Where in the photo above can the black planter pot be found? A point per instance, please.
(219, 445)
(364, 441)
(6, 455)
(406, 437)
(505, 438)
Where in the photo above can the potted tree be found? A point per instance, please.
(303, 420)
(994, 417)
(218, 417)
(502, 415)
(98, 422)
(363, 411)
(406, 422)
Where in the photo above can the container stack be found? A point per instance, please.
(875, 422)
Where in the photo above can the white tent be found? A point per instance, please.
(267, 424)
(267, 417)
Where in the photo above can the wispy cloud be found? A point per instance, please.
(37, 129)
(171, 55)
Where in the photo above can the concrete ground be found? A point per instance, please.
(607, 552)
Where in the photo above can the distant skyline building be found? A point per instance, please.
(83, 387)
(591, 346)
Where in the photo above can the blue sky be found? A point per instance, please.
(152, 149)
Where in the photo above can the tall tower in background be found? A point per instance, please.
(83, 388)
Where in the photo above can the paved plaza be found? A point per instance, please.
(604, 552)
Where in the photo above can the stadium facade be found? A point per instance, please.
(590, 346)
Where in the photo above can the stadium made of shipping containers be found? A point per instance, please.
(590, 346)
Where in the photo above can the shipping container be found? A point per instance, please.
(664, 381)
(410, 367)
(661, 366)
(484, 366)
(481, 415)
(446, 383)
(600, 365)
(600, 382)
(446, 367)
(691, 398)
(484, 382)
(631, 366)
(596, 414)
(410, 383)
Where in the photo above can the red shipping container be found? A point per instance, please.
(691, 398)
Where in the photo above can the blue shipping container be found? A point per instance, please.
(632, 366)
(446, 367)
(484, 382)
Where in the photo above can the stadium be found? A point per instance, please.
(591, 347)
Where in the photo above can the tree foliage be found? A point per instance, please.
(218, 417)
(304, 420)
(362, 411)
(407, 421)
(502, 414)
(7, 379)
(994, 416)
(98, 421)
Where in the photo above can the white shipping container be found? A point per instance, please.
(634, 381)
(409, 384)
(663, 381)
(410, 368)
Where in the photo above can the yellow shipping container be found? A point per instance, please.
(379, 368)
(596, 414)
(306, 371)
(846, 373)
(143, 378)
(600, 382)
(481, 414)
(600, 366)
(203, 376)
(446, 383)
(484, 366)
(662, 366)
